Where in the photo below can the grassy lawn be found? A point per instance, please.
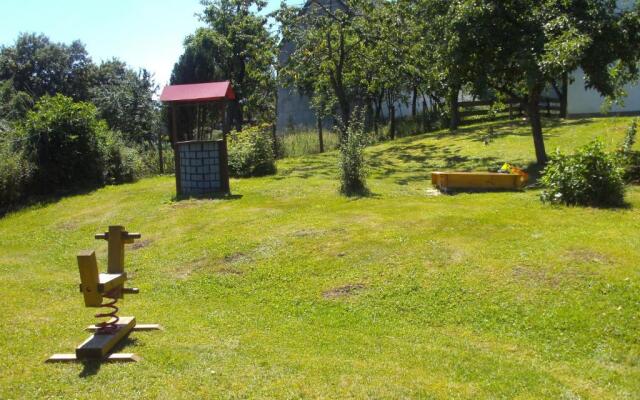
(291, 291)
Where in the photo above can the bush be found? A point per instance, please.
(251, 152)
(352, 163)
(15, 174)
(122, 163)
(66, 144)
(629, 158)
(590, 177)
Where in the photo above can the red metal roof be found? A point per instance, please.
(198, 92)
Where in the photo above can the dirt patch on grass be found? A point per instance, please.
(343, 291)
(535, 276)
(236, 258)
(308, 233)
(587, 256)
(227, 271)
(141, 244)
(67, 226)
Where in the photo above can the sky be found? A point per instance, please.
(143, 33)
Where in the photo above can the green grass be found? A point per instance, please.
(291, 291)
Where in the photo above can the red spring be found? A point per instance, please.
(109, 326)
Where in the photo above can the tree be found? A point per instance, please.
(124, 98)
(521, 46)
(37, 66)
(236, 45)
(328, 51)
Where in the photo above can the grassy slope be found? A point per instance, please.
(290, 291)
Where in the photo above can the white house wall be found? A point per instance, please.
(582, 101)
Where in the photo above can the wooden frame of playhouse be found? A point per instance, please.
(201, 165)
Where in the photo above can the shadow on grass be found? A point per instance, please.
(92, 367)
(211, 196)
(41, 201)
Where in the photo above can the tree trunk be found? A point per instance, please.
(320, 138)
(454, 107)
(426, 126)
(392, 121)
(237, 114)
(536, 126)
(414, 105)
(564, 97)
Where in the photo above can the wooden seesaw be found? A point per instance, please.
(95, 287)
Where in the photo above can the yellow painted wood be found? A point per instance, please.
(89, 278)
(115, 263)
(477, 180)
(108, 282)
(99, 345)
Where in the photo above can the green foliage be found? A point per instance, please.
(352, 162)
(124, 99)
(629, 158)
(37, 66)
(15, 174)
(630, 137)
(235, 45)
(251, 152)
(520, 47)
(590, 177)
(122, 163)
(65, 141)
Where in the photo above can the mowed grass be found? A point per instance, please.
(288, 290)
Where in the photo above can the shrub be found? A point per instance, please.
(630, 137)
(122, 164)
(251, 152)
(629, 158)
(65, 143)
(352, 163)
(590, 177)
(15, 174)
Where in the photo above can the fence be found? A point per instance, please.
(484, 110)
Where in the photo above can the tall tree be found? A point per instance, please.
(521, 46)
(328, 46)
(124, 99)
(235, 45)
(37, 66)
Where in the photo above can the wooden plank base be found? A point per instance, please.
(99, 345)
(116, 357)
(137, 328)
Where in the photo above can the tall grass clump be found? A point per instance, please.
(352, 162)
(306, 142)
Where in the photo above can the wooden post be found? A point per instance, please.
(160, 155)
(224, 166)
(225, 120)
(176, 150)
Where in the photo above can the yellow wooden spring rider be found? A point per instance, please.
(95, 287)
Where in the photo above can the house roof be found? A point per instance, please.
(198, 92)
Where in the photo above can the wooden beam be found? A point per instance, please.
(89, 278)
(99, 344)
(116, 357)
(137, 328)
(108, 282)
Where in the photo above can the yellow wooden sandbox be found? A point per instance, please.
(447, 181)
